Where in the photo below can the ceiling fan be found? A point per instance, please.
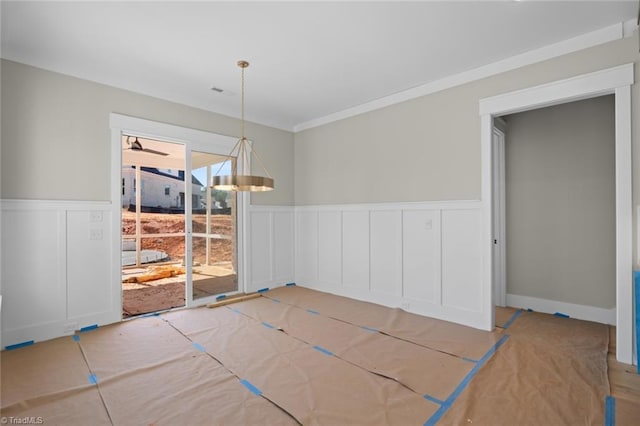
(135, 145)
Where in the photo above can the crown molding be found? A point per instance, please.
(584, 41)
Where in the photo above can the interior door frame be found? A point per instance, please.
(616, 81)
(499, 218)
(193, 140)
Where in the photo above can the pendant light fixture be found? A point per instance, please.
(242, 151)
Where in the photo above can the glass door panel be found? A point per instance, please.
(153, 225)
(213, 220)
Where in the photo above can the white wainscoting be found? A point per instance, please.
(423, 257)
(270, 252)
(57, 268)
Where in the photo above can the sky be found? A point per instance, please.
(201, 173)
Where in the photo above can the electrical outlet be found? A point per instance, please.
(95, 216)
(428, 225)
(95, 234)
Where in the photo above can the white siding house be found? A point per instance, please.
(159, 188)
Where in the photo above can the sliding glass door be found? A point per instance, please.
(214, 248)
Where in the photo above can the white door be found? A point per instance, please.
(499, 252)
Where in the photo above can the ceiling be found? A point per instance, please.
(308, 59)
(164, 155)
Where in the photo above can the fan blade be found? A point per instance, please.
(153, 151)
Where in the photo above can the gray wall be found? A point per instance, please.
(56, 136)
(428, 148)
(560, 203)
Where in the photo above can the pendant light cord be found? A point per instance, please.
(244, 151)
(242, 104)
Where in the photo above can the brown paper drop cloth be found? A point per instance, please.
(439, 335)
(422, 370)
(551, 371)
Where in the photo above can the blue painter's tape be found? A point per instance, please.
(529, 310)
(19, 345)
(610, 411)
(464, 358)
(222, 296)
(252, 388)
(235, 311)
(290, 284)
(266, 324)
(433, 399)
(373, 330)
(199, 347)
(561, 315)
(88, 328)
(323, 350)
(76, 338)
(275, 300)
(515, 315)
(311, 311)
(150, 314)
(636, 279)
(93, 379)
(263, 290)
(435, 417)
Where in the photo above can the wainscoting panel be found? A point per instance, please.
(260, 247)
(88, 294)
(330, 248)
(271, 247)
(60, 271)
(355, 250)
(307, 247)
(33, 268)
(461, 260)
(422, 257)
(283, 247)
(386, 252)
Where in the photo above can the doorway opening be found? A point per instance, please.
(616, 81)
(161, 193)
(554, 208)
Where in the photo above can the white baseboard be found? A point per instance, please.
(582, 312)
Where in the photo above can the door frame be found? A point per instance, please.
(193, 140)
(499, 219)
(616, 81)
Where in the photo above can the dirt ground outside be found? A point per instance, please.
(215, 277)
